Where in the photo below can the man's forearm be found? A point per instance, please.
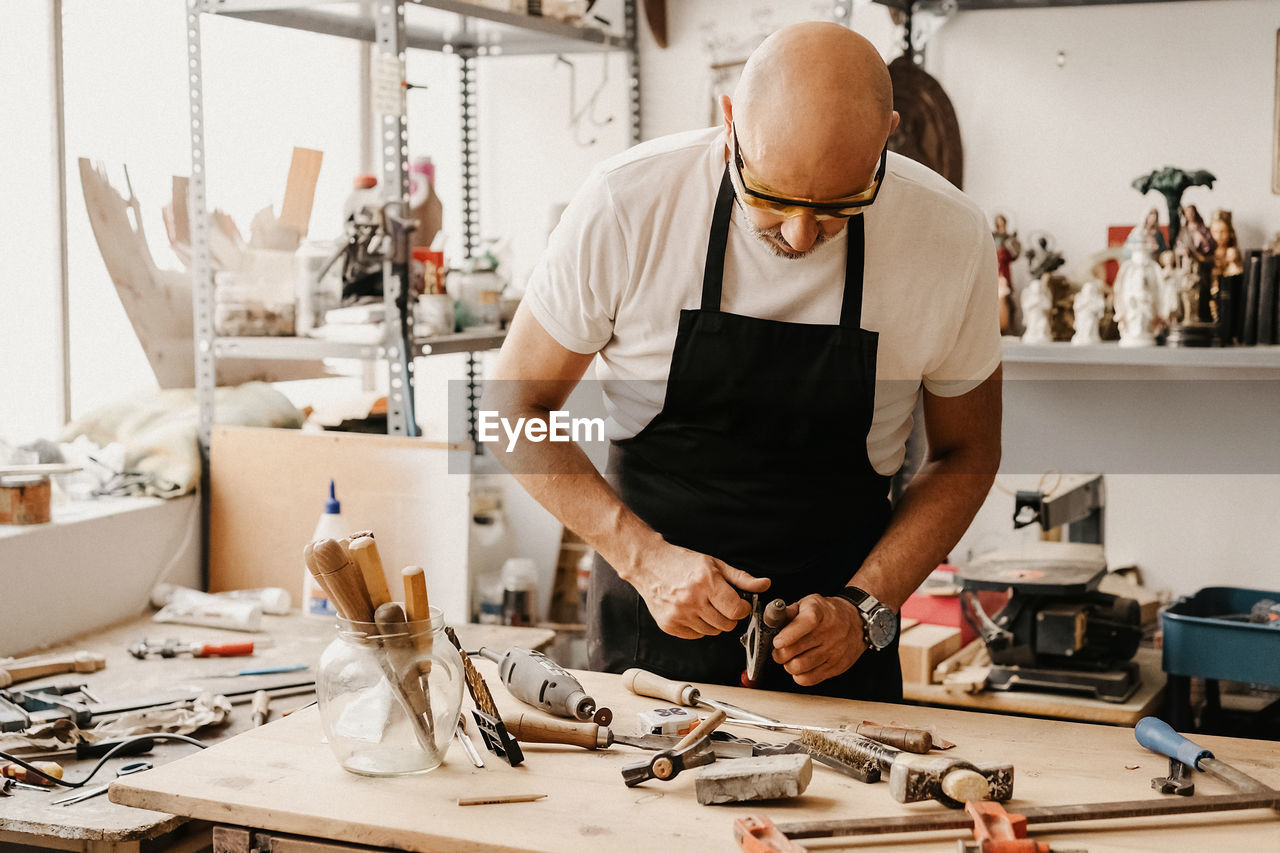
(932, 515)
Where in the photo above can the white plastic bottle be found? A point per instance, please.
(330, 526)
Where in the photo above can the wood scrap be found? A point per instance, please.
(300, 190)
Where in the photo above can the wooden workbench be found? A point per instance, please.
(282, 778)
(27, 818)
(1145, 701)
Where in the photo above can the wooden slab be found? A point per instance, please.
(269, 488)
(300, 189)
(282, 777)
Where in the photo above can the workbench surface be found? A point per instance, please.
(28, 817)
(281, 777)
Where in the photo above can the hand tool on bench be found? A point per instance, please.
(126, 770)
(85, 750)
(18, 773)
(693, 750)
(492, 730)
(534, 728)
(460, 734)
(644, 683)
(1157, 736)
(914, 778)
(13, 670)
(766, 621)
(173, 647)
(540, 682)
(399, 662)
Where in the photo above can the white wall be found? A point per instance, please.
(29, 296)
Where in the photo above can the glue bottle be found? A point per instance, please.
(331, 526)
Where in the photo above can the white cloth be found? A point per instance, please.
(630, 249)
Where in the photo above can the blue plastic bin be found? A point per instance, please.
(1200, 644)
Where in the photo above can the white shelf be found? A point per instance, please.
(306, 349)
(1262, 357)
(431, 26)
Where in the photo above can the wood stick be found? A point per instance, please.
(418, 608)
(364, 552)
(499, 798)
(20, 669)
(342, 579)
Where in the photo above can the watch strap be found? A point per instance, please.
(856, 597)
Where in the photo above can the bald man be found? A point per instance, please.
(765, 303)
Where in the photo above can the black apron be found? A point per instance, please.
(759, 459)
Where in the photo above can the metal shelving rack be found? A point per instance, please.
(481, 32)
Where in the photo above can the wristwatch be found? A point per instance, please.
(879, 623)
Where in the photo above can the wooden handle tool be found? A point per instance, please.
(399, 661)
(910, 740)
(644, 683)
(535, 728)
(342, 579)
(703, 729)
(418, 609)
(21, 669)
(364, 552)
(18, 773)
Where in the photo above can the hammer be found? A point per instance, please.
(914, 778)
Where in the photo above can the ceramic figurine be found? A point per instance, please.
(1194, 250)
(1147, 236)
(1137, 292)
(1008, 248)
(1037, 303)
(1090, 304)
(1171, 183)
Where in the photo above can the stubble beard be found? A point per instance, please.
(775, 242)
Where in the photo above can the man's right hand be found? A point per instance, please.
(691, 595)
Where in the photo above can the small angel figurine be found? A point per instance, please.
(1037, 303)
(1090, 303)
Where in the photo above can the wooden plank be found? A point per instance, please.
(1061, 706)
(281, 777)
(269, 488)
(924, 647)
(300, 189)
(181, 220)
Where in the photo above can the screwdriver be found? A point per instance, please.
(97, 750)
(537, 680)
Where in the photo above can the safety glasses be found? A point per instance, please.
(786, 206)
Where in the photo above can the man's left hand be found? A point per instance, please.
(822, 641)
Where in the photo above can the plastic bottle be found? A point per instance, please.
(519, 591)
(425, 204)
(330, 526)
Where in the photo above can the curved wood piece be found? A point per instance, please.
(928, 132)
(655, 12)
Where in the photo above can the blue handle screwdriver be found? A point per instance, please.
(1157, 736)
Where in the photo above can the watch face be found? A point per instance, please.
(881, 625)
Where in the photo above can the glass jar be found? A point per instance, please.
(389, 699)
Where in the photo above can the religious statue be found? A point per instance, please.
(1042, 257)
(1147, 236)
(1137, 293)
(1172, 182)
(1090, 304)
(1008, 248)
(1228, 274)
(1195, 252)
(1037, 303)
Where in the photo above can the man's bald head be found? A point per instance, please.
(813, 109)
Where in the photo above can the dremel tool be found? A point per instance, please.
(537, 680)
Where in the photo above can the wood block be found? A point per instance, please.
(924, 647)
(268, 489)
(300, 190)
(26, 501)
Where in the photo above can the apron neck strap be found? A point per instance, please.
(713, 272)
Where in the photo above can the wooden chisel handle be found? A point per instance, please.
(364, 552)
(328, 563)
(909, 740)
(703, 729)
(21, 774)
(416, 605)
(538, 729)
(644, 683)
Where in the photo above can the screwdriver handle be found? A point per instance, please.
(223, 650)
(1157, 736)
(644, 683)
(537, 729)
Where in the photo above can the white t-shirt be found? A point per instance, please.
(630, 249)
